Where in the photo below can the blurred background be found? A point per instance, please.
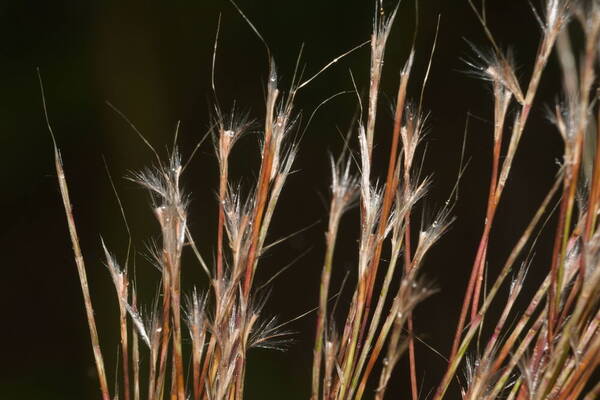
(152, 61)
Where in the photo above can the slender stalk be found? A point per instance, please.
(135, 352)
(124, 345)
(165, 334)
(89, 309)
(322, 311)
(222, 196)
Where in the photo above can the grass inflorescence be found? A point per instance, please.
(549, 349)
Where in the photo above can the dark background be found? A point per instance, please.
(152, 60)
